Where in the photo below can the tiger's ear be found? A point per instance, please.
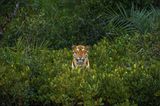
(87, 47)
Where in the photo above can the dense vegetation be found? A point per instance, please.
(35, 52)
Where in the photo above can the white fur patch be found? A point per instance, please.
(77, 49)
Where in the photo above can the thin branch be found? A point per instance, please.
(9, 18)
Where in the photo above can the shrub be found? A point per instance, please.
(122, 72)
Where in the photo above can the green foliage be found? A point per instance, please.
(122, 74)
(124, 58)
(63, 23)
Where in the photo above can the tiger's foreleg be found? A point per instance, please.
(73, 65)
(87, 64)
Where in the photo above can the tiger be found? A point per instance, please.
(80, 56)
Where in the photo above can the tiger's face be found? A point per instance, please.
(80, 54)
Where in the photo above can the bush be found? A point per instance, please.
(65, 23)
(124, 72)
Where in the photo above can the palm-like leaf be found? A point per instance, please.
(145, 21)
(118, 21)
(121, 21)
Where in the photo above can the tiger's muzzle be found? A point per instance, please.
(80, 61)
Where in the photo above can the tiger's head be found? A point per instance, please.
(80, 54)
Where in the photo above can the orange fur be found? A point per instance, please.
(80, 56)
